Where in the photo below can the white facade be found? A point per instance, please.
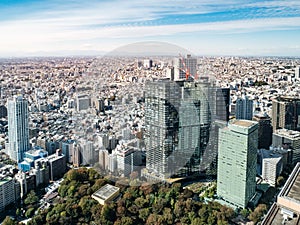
(126, 133)
(18, 131)
(147, 63)
(103, 141)
(103, 159)
(112, 162)
(21, 178)
(271, 166)
(297, 73)
(127, 160)
(87, 152)
(180, 68)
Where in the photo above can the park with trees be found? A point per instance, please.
(159, 203)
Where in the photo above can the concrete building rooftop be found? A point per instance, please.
(4, 180)
(36, 152)
(270, 154)
(106, 191)
(294, 191)
(289, 196)
(243, 123)
(261, 116)
(288, 98)
(275, 217)
(288, 133)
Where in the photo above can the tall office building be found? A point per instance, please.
(128, 160)
(7, 192)
(161, 123)
(88, 154)
(285, 113)
(222, 104)
(103, 159)
(177, 120)
(76, 156)
(148, 63)
(18, 131)
(244, 108)
(67, 149)
(264, 130)
(288, 139)
(103, 141)
(182, 64)
(237, 157)
(57, 165)
(83, 102)
(297, 73)
(98, 104)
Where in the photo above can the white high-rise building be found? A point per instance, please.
(182, 64)
(88, 153)
(271, 163)
(18, 132)
(297, 73)
(103, 141)
(148, 63)
(127, 160)
(103, 159)
(112, 162)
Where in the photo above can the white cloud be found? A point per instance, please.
(49, 31)
(108, 22)
(286, 3)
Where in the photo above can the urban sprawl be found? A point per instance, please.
(232, 121)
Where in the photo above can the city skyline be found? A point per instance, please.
(133, 121)
(252, 28)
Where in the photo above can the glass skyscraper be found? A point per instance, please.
(177, 123)
(18, 132)
(237, 158)
(244, 108)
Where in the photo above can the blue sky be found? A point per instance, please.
(204, 27)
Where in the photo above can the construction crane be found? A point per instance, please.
(185, 69)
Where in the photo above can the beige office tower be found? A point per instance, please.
(285, 113)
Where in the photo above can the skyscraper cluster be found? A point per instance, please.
(179, 122)
(186, 130)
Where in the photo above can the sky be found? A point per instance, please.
(203, 27)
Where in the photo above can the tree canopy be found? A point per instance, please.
(146, 204)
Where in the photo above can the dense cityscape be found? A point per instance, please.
(157, 112)
(216, 136)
